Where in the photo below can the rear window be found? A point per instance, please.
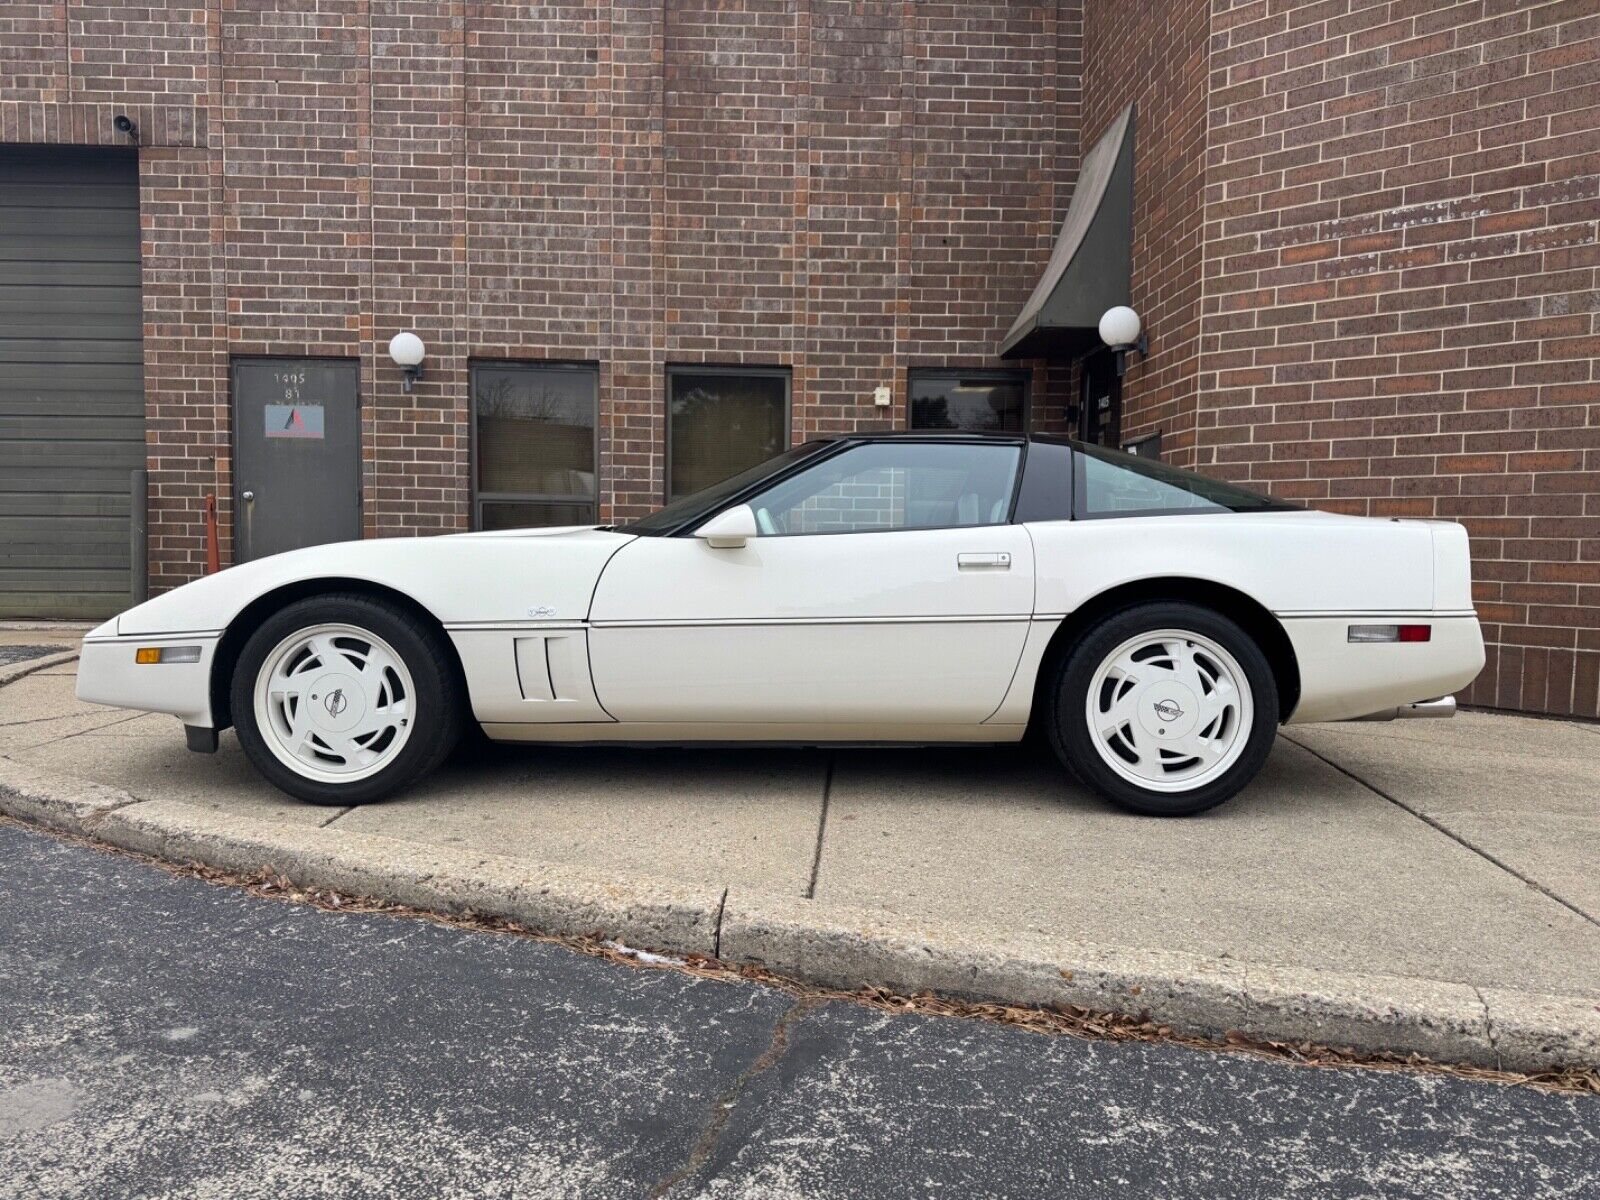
(1110, 483)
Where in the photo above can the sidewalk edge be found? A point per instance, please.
(835, 946)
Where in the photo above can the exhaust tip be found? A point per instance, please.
(1444, 706)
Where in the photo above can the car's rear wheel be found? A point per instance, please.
(1166, 708)
(345, 699)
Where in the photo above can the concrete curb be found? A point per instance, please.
(842, 947)
(15, 671)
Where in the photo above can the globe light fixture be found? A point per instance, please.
(407, 350)
(1121, 330)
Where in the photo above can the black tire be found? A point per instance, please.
(1073, 740)
(439, 703)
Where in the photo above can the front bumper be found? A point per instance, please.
(108, 674)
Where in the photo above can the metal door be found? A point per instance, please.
(1100, 413)
(297, 454)
(72, 424)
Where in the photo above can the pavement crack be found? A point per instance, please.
(335, 816)
(716, 929)
(822, 827)
(94, 819)
(722, 1107)
(1449, 833)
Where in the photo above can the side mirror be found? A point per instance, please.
(730, 528)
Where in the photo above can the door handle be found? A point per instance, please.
(1000, 561)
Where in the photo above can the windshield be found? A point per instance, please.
(1111, 483)
(693, 508)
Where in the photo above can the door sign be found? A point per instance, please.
(294, 421)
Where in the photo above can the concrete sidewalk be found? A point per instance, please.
(1422, 886)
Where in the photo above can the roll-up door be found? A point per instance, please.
(72, 426)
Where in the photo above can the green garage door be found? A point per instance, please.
(71, 379)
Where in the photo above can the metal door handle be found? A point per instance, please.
(249, 495)
(978, 562)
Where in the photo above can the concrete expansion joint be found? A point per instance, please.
(716, 925)
(723, 1106)
(1488, 1024)
(1449, 833)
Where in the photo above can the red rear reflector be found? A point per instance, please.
(1416, 633)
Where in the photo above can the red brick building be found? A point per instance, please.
(643, 242)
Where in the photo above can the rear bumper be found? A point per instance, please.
(1343, 681)
(107, 674)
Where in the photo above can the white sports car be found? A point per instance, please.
(1156, 625)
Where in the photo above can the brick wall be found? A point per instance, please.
(1153, 54)
(1364, 243)
(1400, 296)
(844, 188)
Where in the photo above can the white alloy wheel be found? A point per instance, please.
(334, 703)
(1169, 710)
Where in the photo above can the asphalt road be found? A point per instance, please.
(163, 1037)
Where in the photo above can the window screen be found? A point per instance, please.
(721, 422)
(534, 444)
(983, 401)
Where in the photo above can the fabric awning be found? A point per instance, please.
(1090, 268)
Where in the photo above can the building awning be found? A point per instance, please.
(1091, 265)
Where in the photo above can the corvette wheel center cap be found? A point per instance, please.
(1168, 710)
(336, 702)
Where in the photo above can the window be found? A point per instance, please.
(880, 486)
(721, 421)
(688, 511)
(533, 444)
(983, 401)
(1110, 483)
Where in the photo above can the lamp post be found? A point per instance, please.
(407, 350)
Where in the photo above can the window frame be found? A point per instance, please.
(478, 496)
(725, 370)
(977, 374)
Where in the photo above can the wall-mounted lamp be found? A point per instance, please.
(125, 126)
(407, 350)
(1121, 329)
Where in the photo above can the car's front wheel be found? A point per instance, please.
(1165, 708)
(345, 699)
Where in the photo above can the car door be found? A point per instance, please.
(886, 588)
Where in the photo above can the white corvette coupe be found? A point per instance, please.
(1156, 625)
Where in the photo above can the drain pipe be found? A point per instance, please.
(213, 547)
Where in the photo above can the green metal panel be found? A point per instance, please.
(72, 424)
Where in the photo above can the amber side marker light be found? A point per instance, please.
(146, 655)
(1391, 633)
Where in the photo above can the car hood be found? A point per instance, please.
(462, 579)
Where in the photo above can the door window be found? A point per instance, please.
(534, 442)
(882, 486)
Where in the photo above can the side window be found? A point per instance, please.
(1111, 483)
(882, 486)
